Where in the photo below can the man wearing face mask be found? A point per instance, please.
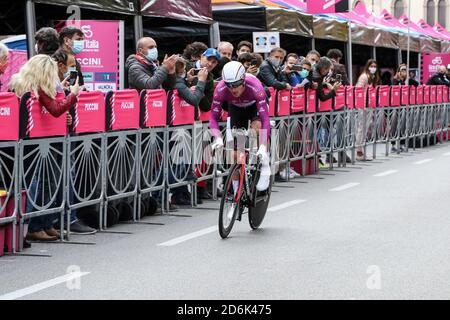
(270, 73)
(71, 40)
(439, 78)
(4, 60)
(144, 73)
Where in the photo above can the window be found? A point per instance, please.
(431, 18)
(399, 8)
(442, 12)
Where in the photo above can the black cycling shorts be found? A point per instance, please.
(240, 117)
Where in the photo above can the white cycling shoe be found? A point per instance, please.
(264, 178)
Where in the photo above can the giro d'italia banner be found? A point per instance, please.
(327, 6)
(101, 58)
(431, 63)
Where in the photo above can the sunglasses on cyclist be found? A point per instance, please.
(235, 84)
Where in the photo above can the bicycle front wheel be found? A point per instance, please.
(229, 205)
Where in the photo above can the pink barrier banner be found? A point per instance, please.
(41, 123)
(311, 100)
(298, 100)
(419, 95)
(426, 94)
(100, 58)
(372, 97)
(90, 112)
(272, 102)
(350, 97)
(339, 99)
(182, 112)
(360, 98)
(17, 58)
(284, 102)
(155, 113)
(395, 96)
(124, 105)
(412, 95)
(326, 106)
(439, 94)
(433, 94)
(445, 94)
(384, 96)
(9, 117)
(205, 116)
(327, 6)
(404, 95)
(430, 64)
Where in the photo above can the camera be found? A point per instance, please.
(196, 71)
(297, 67)
(254, 62)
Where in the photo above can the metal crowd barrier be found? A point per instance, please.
(124, 149)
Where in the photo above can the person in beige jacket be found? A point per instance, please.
(369, 77)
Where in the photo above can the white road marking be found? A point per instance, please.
(41, 286)
(386, 173)
(446, 154)
(423, 161)
(189, 236)
(285, 205)
(345, 187)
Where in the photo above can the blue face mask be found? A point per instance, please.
(152, 54)
(304, 73)
(78, 46)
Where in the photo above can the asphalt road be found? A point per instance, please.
(377, 230)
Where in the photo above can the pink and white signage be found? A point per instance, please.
(431, 63)
(327, 6)
(99, 59)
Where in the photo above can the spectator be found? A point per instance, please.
(369, 77)
(217, 71)
(209, 60)
(183, 78)
(270, 72)
(4, 60)
(66, 64)
(250, 63)
(321, 71)
(71, 40)
(193, 53)
(313, 56)
(386, 78)
(225, 49)
(335, 55)
(143, 72)
(413, 75)
(40, 76)
(400, 77)
(439, 78)
(47, 41)
(293, 76)
(244, 47)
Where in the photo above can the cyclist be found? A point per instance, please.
(247, 102)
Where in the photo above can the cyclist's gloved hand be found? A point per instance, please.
(217, 144)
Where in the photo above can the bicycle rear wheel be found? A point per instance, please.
(257, 212)
(229, 204)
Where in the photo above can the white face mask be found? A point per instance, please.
(36, 49)
(372, 70)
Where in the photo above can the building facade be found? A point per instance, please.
(430, 10)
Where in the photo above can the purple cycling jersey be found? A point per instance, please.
(254, 95)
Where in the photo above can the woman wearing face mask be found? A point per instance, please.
(369, 78)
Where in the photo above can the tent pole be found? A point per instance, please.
(313, 43)
(408, 50)
(138, 27)
(350, 49)
(31, 27)
(374, 53)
